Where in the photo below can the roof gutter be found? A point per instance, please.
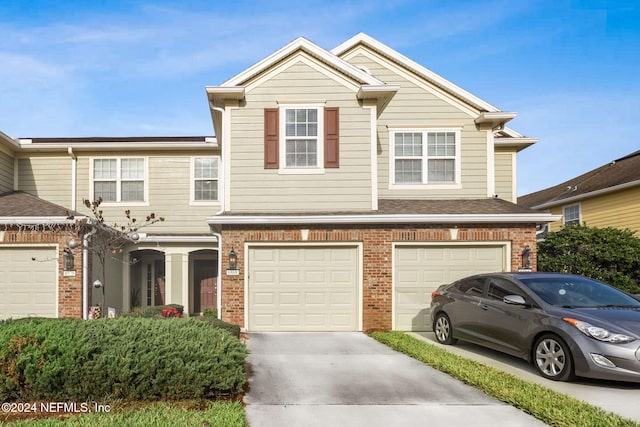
(538, 218)
(38, 220)
(587, 195)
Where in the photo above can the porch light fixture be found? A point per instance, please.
(233, 260)
(68, 259)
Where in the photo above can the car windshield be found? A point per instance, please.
(577, 292)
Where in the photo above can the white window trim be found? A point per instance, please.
(192, 183)
(457, 184)
(564, 217)
(283, 169)
(120, 202)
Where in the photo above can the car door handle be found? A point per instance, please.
(484, 306)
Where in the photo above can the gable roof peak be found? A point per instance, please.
(425, 73)
(312, 49)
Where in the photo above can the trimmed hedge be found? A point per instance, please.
(139, 358)
(153, 311)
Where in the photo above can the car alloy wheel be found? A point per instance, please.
(443, 329)
(552, 358)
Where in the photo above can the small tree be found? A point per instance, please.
(608, 254)
(109, 240)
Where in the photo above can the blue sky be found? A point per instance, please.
(131, 68)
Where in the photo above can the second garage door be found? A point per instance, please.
(419, 270)
(27, 282)
(301, 288)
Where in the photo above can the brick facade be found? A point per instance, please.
(69, 286)
(377, 257)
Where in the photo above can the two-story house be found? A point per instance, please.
(355, 181)
(608, 196)
(341, 189)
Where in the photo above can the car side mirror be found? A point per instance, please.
(514, 300)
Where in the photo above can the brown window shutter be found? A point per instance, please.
(331, 137)
(271, 138)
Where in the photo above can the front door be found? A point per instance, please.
(205, 285)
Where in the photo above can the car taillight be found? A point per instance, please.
(435, 294)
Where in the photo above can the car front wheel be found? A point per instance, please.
(443, 329)
(552, 358)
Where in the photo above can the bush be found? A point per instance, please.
(154, 311)
(72, 359)
(232, 329)
(609, 254)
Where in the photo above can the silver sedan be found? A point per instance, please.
(565, 325)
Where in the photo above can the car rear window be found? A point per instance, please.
(471, 286)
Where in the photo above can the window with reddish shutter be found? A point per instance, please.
(301, 138)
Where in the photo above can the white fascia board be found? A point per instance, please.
(517, 143)
(177, 239)
(37, 220)
(415, 67)
(583, 196)
(495, 118)
(377, 91)
(225, 92)
(383, 219)
(119, 146)
(11, 142)
(311, 48)
(512, 133)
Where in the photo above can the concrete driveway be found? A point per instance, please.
(329, 379)
(613, 396)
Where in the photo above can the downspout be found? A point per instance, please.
(222, 196)
(85, 273)
(74, 166)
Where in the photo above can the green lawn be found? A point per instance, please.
(551, 407)
(189, 413)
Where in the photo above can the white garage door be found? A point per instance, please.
(28, 282)
(419, 270)
(303, 289)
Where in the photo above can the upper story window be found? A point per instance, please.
(301, 138)
(571, 214)
(205, 179)
(119, 179)
(426, 157)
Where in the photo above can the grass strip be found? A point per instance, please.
(549, 406)
(190, 413)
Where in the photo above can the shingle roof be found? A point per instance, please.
(624, 170)
(17, 204)
(488, 206)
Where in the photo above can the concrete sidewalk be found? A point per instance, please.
(329, 379)
(613, 396)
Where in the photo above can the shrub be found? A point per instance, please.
(607, 254)
(232, 329)
(155, 311)
(72, 359)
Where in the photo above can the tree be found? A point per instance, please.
(609, 254)
(105, 240)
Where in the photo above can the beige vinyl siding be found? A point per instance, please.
(46, 176)
(254, 189)
(169, 193)
(504, 175)
(620, 209)
(6, 172)
(415, 107)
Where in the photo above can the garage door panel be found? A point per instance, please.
(419, 270)
(28, 282)
(315, 289)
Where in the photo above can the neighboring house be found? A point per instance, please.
(343, 187)
(608, 196)
(174, 177)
